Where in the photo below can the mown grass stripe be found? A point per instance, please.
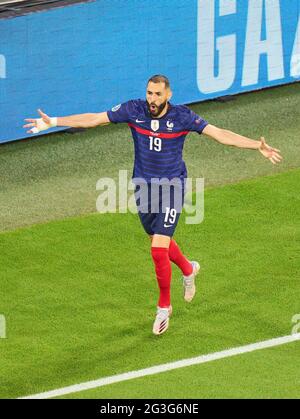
(203, 359)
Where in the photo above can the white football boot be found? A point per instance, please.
(161, 322)
(189, 287)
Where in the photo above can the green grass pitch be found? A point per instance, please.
(80, 299)
(79, 293)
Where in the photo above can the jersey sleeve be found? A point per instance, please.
(121, 113)
(194, 122)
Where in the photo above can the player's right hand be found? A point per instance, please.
(40, 124)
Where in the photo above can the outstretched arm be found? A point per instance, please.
(87, 120)
(230, 138)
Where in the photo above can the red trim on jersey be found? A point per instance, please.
(158, 134)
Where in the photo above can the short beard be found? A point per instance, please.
(159, 109)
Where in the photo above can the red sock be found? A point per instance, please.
(179, 259)
(163, 271)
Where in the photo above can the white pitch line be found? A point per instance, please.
(203, 359)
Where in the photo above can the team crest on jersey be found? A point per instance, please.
(116, 108)
(155, 125)
(170, 125)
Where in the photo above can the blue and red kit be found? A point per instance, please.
(158, 145)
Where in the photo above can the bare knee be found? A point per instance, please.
(160, 241)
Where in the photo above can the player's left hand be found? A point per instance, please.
(273, 154)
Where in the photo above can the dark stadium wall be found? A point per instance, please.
(88, 57)
(14, 8)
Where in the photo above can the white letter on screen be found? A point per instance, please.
(2, 67)
(211, 78)
(295, 60)
(255, 47)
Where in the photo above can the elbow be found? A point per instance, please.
(90, 124)
(96, 122)
(221, 136)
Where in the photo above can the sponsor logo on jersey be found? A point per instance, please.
(155, 125)
(116, 108)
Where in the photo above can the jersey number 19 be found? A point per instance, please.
(155, 144)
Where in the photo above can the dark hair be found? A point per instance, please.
(158, 78)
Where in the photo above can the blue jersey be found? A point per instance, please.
(158, 142)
